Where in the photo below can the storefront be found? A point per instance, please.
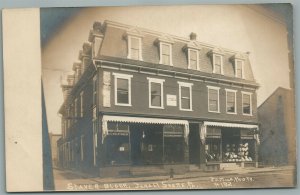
(144, 141)
(229, 143)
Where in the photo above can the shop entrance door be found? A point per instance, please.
(135, 144)
(146, 144)
(194, 144)
(230, 143)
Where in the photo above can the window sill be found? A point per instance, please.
(247, 114)
(128, 105)
(217, 112)
(189, 110)
(156, 107)
(233, 113)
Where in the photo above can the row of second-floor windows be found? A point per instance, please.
(165, 56)
(76, 109)
(122, 90)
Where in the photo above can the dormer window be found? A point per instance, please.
(165, 54)
(164, 44)
(193, 56)
(217, 60)
(134, 43)
(239, 68)
(192, 52)
(238, 63)
(217, 64)
(134, 48)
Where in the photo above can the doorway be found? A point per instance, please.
(146, 142)
(194, 144)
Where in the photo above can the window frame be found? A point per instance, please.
(81, 104)
(251, 110)
(161, 82)
(76, 107)
(188, 85)
(214, 63)
(208, 97)
(129, 55)
(235, 108)
(81, 148)
(170, 53)
(128, 78)
(94, 91)
(189, 58)
(242, 67)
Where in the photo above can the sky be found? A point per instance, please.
(245, 28)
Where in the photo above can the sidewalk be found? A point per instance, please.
(189, 175)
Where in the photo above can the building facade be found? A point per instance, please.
(278, 131)
(54, 150)
(142, 98)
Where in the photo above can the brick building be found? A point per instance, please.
(142, 98)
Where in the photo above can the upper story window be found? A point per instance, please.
(164, 44)
(134, 43)
(185, 96)
(76, 107)
(217, 60)
(94, 90)
(239, 68)
(156, 93)
(230, 101)
(213, 99)
(238, 61)
(122, 86)
(193, 56)
(218, 64)
(166, 53)
(135, 48)
(81, 104)
(247, 103)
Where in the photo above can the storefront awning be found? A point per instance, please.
(232, 125)
(143, 120)
(203, 128)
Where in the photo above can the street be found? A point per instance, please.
(243, 178)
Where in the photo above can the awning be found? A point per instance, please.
(127, 119)
(232, 125)
(203, 130)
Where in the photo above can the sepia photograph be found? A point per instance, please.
(180, 97)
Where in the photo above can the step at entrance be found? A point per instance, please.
(194, 168)
(147, 171)
(230, 166)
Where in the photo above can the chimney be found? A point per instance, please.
(85, 56)
(66, 90)
(77, 71)
(96, 37)
(70, 80)
(193, 36)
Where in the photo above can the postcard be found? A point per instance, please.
(149, 98)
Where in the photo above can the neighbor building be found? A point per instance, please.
(278, 131)
(54, 150)
(141, 98)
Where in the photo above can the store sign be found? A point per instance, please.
(118, 133)
(171, 100)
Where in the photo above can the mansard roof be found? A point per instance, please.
(115, 45)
